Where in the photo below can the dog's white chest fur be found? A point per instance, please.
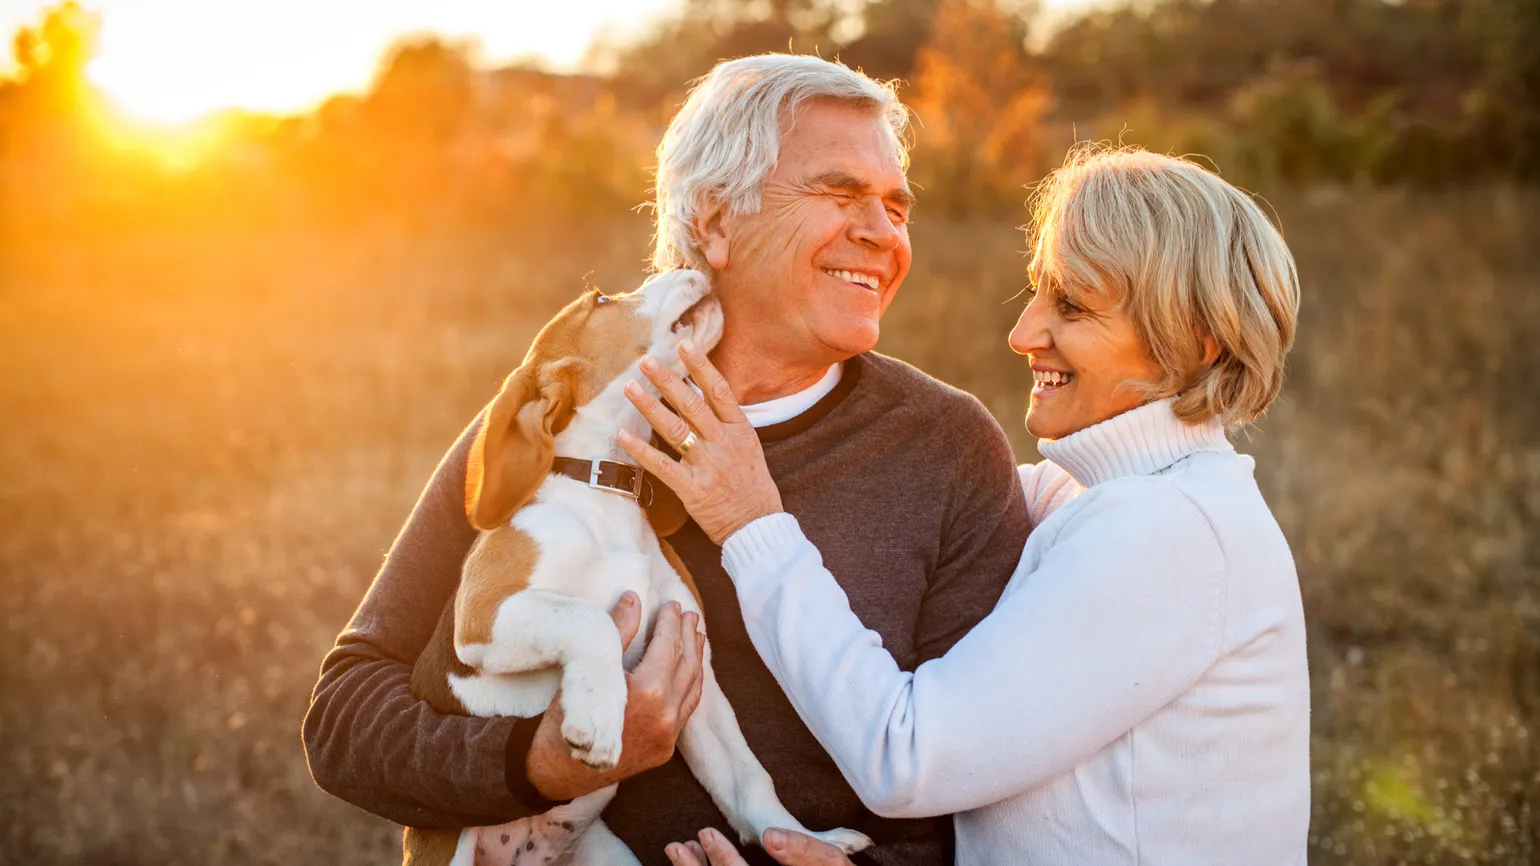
(594, 546)
(531, 623)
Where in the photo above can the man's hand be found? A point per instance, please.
(661, 693)
(786, 847)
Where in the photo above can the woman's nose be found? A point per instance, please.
(1031, 334)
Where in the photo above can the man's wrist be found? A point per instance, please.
(516, 767)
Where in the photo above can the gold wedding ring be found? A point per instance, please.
(686, 444)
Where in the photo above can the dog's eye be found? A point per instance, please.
(602, 299)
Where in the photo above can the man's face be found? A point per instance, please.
(812, 272)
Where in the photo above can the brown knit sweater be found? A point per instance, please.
(905, 485)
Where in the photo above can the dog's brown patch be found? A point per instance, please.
(573, 358)
(498, 567)
(435, 847)
(430, 673)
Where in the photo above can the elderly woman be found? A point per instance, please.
(1139, 694)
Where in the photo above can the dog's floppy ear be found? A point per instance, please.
(513, 450)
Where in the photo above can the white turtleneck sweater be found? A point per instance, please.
(1138, 696)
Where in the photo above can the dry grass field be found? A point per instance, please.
(210, 437)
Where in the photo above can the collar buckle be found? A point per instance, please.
(606, 475)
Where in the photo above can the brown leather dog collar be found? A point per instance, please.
(622, 478)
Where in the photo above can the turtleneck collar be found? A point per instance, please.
(1141, 441)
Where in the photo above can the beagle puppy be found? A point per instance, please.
(563, 536)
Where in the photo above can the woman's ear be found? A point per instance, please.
(711, 234)
(513, 450)
(1210, 350)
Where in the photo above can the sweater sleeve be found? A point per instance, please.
(1046, 487)
(368, 740)
(1121, 615)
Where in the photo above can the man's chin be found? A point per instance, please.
(852, 341)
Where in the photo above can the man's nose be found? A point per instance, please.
(874, 228)
(1031, 334)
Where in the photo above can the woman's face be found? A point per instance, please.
(1084, 352)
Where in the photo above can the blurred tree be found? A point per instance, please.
(51, 57)
(890, 35)
(1292, 129)
(424, 93)
(980, 101)
(416, 117)
(654, 70)
(47, 118)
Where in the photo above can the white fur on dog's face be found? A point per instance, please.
(602, 338)
(606, 335)
(682, 307)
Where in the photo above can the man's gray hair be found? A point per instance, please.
(726, 139)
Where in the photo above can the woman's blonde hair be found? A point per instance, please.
(1185, 255)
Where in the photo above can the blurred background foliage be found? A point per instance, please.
(235, 349)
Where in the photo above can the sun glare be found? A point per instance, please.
(171, 61)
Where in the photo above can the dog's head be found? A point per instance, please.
(592, 344)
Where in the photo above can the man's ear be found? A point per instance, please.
(513, 450)
(711, 234)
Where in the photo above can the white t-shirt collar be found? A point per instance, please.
(788, 407)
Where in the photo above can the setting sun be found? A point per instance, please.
(169, 61)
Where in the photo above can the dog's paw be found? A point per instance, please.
(598, 752)
(593, 740)
(593, 705)
(848, 841)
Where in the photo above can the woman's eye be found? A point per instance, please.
(1069, 308)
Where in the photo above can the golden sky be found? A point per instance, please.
(174, 60)
(171, 60)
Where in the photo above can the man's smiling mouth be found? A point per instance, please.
(866, 280)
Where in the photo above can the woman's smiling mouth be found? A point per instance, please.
(1049, 381)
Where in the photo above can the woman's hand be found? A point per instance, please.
(721, 477)
(786, 847)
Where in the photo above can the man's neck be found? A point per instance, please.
(756, 376)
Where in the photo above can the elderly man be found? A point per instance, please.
(783, 178)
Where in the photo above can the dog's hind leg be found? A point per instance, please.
(537, 629)
(435, 847)
(600, 847)
(713, 745)
(714, 748)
